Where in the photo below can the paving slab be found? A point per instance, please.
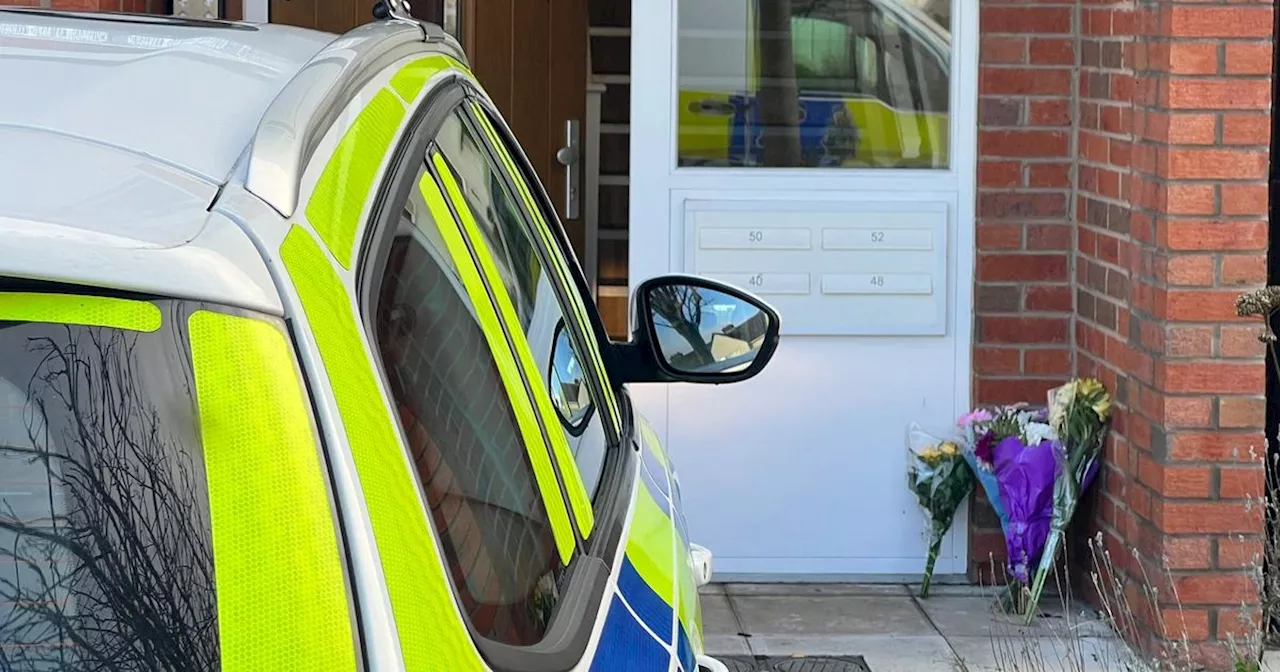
(826, 615)
(951, 590)
(980, 616)
(883, 653)
(1044, 654)
(726, 645)
(717, 615)
(817, 589)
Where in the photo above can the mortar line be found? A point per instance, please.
(933, 624)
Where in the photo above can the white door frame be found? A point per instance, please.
(257, 11)
(654, 176)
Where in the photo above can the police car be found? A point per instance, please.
(298, 371)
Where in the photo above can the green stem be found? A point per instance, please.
(1046, 565)
(934, 548)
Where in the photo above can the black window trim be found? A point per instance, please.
(529, 385)
(613, 496)
(548, 212)
(586, 576)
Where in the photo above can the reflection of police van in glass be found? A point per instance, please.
(297, 371)
(872, 82)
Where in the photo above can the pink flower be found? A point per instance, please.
(979, 415)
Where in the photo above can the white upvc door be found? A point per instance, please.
(800, 472)
(257, 11)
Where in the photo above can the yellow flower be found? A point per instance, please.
(1089, 387)
(949, 449)
(1102, 407)
(1093, 393)
(930, 455)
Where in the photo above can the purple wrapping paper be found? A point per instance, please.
(1026, 476)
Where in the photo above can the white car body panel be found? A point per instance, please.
(118, 135)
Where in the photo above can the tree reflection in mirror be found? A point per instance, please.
(702, 330)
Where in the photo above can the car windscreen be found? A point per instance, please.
(129, 429)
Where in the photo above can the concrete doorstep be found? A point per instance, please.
(957, 628)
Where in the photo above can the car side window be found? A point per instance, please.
(505, 227)
(467, 448)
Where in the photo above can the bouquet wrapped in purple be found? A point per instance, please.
(1033, 464)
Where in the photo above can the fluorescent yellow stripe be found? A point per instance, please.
(432, 636)
(408, 82)
(650, 440)
(543, 472)
(88, 311)
(338, 201)
(651, 545)
(574, 487)
(560, 266)
(282, 598)
(690, 609)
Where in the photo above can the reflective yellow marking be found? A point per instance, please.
(543, 472)
(651, 545)
(432, 635)
(88, 311)
(282, 598)
(690, 609)
(410, 80)
(650, 441)
(560, 266)
(345, 185)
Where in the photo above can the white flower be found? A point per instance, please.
(1035, 433)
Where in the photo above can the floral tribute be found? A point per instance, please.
(1033, 464)
(941, 481)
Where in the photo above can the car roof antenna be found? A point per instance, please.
(392, 9)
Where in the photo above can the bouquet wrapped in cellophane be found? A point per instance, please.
(941, 480)
(1080, 415)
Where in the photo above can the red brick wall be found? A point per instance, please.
(1160, 134)
(1186, 452)
(1025, 149)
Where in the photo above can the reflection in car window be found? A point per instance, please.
(458, 420)
(105, 552)
(505, 227)
(568, 384)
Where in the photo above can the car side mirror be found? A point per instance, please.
(695, 330)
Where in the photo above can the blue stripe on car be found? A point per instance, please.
(644, 601)
(626, 647)
(684, 651)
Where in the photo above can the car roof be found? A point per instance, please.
(118, 132)
(121, 132)
(186, 93)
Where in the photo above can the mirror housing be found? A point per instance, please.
(730, 333)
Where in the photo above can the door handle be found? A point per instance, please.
(570, 157)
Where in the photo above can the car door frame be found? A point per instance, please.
(576, 619)
(620, 471)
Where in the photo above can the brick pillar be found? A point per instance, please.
(1171, 211)
(1023, 296)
